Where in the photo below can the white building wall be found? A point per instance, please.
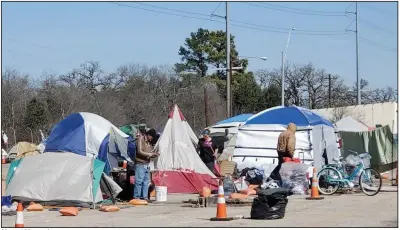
(370, 114)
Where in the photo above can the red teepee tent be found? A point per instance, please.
(179, 167)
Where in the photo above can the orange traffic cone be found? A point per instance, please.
(221, 205)
(19, 222)
(3, 159)
(314, 188)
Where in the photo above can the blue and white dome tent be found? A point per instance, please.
(257, 139)
(91, 135)
(232, 124)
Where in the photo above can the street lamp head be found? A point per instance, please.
(264, 58)
(293, 28)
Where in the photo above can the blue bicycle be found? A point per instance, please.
(335, 176)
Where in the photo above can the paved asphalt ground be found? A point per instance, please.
(356, 210)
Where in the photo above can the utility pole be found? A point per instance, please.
(231, 76)
(330, 90)
(228, 67)
(358, 78)
(330, 78)
(228, 64)
(283, 81)
(206, 106)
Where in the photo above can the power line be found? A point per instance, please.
(375, 44)
(216, 8)
(285, 29)
(377, 27)
(297, 10)
(248, 25)
(349, 7)
(350, 24)
(382, 12)
(374, 26)
(369, 42)
(241, 22)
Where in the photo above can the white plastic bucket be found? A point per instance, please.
(161, 193)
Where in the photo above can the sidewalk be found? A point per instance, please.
(389, 188)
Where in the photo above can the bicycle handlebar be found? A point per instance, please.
(351, 151)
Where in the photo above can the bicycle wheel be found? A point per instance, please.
(326, 187)
(370, 182)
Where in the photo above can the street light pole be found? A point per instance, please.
(283, 66)
(228, 64)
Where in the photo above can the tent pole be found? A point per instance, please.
(108, 187)
(92, 175)
(392, 152)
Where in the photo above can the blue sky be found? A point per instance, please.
(56, 37)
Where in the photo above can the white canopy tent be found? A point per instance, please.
(257, 138)
(349, 124)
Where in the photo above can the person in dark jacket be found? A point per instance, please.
(142, 170)
(153, 137)
(207, 150)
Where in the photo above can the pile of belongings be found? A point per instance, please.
(270, 183)
(295, 177)
(253, 175)
(249, 180)
(8, 208)
(270, 204)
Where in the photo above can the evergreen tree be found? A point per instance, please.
(35, 116)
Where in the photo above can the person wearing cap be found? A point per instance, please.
(143, 157)
(207, 150)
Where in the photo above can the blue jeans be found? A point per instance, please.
(142, 179)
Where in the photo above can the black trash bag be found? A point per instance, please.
(275, 193)
(268, 209)
(270, 204)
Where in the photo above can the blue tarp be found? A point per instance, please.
(86, 134)
(68, 135)
(238, 118)
(292, 114)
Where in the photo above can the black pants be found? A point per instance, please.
(275, 175)
(210, 166)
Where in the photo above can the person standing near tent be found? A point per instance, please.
(207, 150)
(142, 161)
(285, 147)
